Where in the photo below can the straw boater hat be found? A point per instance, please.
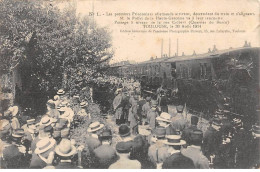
(18, 133)
(30, 121)
(65, 148)
(164, 117)
(95, 126)
(46, 121)
(174, 140)
(61, 92)
(83, 104)
(256, 131)
(44, 145)
(13, 110)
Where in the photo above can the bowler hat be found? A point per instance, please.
(65, 148)
(48, 128)
(124, 130)
(123, 147)
(106, 134)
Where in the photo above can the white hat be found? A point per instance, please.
(13, 110)
(65, 148)
(46, 121)
(164, 117)
(174, 140)
(44, 145)
(95, 126)
(61, 92)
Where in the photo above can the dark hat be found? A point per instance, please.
(194, 120)
(196, 135)
(160, 132)
(256, 129)
(123, 147)
(105, 135)
(48, 128)
(179, 108)
(217, 121)
(124, 130)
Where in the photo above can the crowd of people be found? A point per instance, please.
(148, 135)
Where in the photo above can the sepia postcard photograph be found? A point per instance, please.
(129, 84)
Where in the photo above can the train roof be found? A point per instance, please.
(210, 55)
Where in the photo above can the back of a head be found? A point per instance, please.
(182, 162)
(196, 138)
(124, 147)
(194, 120)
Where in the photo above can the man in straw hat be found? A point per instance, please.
(164, 120)
(66, 152)
(176, 160)
(93, 139)
(43, 148)
(105, 154)
(152, 114)
(83, 111)
(194, 150)
(157, 152)
(123, 150)
(13, 111)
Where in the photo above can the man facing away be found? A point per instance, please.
(123, 150)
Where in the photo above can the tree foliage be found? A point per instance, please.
(56, 43)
